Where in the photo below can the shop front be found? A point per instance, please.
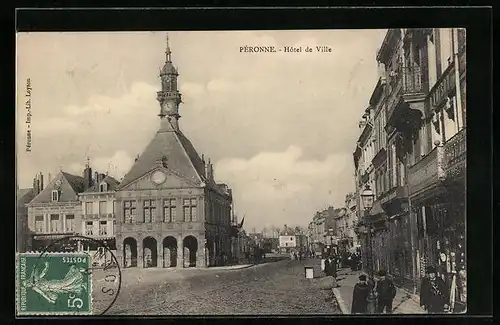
(438, 204)
(397, 235)
(53, 242)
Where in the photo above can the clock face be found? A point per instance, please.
(58, 182)
(158, 177)
(170, 105)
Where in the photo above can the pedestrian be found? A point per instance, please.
(434, 295)
(327, 266)
(386, 291)
(360, 296)
(333, 266)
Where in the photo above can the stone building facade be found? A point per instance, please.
(56, 211)
(170, 210)
(419, 106)
(98, 212)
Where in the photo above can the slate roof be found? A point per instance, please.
(182, 157)
(24, 195)
(111, 181)
(71, 185)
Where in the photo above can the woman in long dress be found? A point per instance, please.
(73, 282)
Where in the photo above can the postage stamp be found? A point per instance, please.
(54, 284)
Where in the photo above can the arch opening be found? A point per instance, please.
(190, 250)
(129, 252)
(169, 252)
(150, 254)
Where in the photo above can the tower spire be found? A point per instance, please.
(169, 96)
(168, 53)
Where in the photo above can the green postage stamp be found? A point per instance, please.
(54, 284)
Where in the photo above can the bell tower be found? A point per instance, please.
(169, 96)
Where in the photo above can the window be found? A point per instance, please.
(88, 208)
(189, 210)
(55, 195)
(89, 228)
(393, 166)
(39, 224)
(70, 223)
(102, 207)
(445, 47)
(402, 173)
(54, 223)
(129, 211)
(169, 210)
(149, 210)
(450, 118)
(103, 187)
(114, 207)
(103, 227)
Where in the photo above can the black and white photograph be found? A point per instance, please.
(256, 172)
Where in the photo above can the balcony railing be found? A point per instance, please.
(424, 173)
(404, 81)
(455, 151)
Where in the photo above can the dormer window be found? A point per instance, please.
(55, 195)
(103, 187)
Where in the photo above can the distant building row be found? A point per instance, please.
(332, 229)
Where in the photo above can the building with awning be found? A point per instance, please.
(56, 211)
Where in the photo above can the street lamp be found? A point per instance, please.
(331, 240)
(367, 196)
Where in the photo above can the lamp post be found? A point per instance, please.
(367, 196)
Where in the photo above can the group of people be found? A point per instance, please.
(331, 265)
(434, 294)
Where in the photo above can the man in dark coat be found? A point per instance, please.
(327, 266)
(386, 291)
(360, 295)
(434, 294)
(332, 264)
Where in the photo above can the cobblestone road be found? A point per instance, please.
(273, 288)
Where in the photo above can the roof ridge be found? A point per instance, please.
(179, 134)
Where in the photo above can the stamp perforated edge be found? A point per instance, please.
(20, 313)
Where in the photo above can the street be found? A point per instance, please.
(270, 288)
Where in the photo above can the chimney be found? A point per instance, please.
(41, 181)
(38, 186)
(49, 178)
(87, 176)
(207, 171)
(34, 185)
(211, 168)
(381, 72)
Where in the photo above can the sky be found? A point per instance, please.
(280, 128)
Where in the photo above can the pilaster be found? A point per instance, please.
(140, 254)
(159, 254)
(180, 252)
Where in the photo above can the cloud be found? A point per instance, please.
(116, 165)
(282, 187)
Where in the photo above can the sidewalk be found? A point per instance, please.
(404, 302)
